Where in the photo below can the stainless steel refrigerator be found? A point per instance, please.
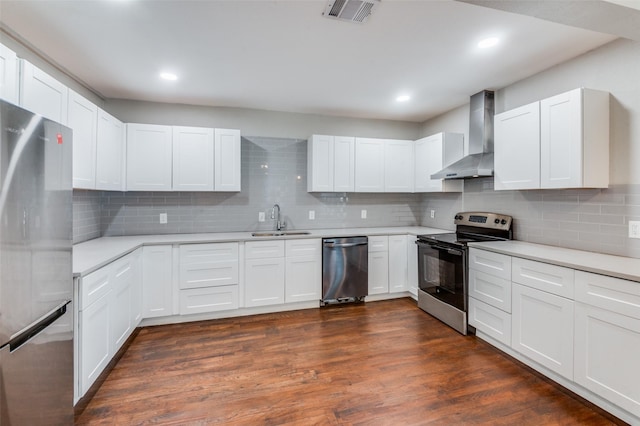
(36, 287)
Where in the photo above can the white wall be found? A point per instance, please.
(262, 123)
(614, 68)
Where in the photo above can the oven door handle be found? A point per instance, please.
(449, 250)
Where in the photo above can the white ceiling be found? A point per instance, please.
(285, 56)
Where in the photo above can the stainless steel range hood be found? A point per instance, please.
(479, 162)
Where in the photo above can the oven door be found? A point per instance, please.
(441, 273)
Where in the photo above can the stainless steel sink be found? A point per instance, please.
(279, 234)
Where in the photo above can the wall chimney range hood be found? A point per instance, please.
(479, 161)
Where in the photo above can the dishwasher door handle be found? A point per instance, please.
(332, 245)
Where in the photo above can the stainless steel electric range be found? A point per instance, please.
(443, 267)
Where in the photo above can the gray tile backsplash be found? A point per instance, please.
(274, 171)
(586, 219)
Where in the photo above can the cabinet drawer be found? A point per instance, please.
(209, 274)
(209, 299)
(379, 243)
(491, 321)
(490, 289)
(543, 276)
(312, 247)
(264, 249)
(201, 253)
(614, 294)
(495, 264)
(94, 286)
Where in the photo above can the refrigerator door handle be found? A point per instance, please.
(37, 326)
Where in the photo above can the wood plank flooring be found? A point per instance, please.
(378, 363)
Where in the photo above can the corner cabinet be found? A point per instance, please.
(558, 142)
(110, 153)
(434, 153)
(82, 116)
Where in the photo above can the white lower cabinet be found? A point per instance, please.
(108, 312)
(398, 264)
(607, 338)
(378, 264)
(264, 273)
(208, 277)
(412, 265)
(157, 281)
(94, 341)
(542, 328)
(303, 270)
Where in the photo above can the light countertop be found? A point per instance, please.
(92, 255)
(615, 266)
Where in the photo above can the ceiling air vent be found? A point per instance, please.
(350, 10)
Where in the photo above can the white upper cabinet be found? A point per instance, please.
(110, 158)
(398, 166)
(192, 159)
(82, 118)
(517, 148)
(330, 163)
(369, 176)
(149, 157)
(432, 154)
(559, 142)
(227, 160)
(574, 140)
(8, 75)
(43, 94)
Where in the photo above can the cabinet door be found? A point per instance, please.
(264, 281)
(398, 166)
(303, 280)
(157, 282)
(94, 326)
(82, 117)
(543, 328)
(517, 148)
(432, 154)
(110, 143)
(378, 272)
(369, 176)
(320, 163)
(149, 157)
(43, 94)
(607, 345)
(561, 141)
(227, 160)
(398, 274)
(412, 265)
(120, 303)
(344, 161)
(136, 288)
(192, 159)
(8, 75)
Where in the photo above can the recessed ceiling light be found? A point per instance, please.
(168, 76)
(488, 42)
(403, 98)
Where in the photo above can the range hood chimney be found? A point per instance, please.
(479, 162)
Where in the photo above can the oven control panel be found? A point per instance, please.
(484, 220)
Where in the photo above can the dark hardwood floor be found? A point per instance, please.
(379, 363)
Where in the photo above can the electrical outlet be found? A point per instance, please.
(363, 214)
(433, 214)
(634, 229)
(260, 216)
(163, 218)
(312, 215)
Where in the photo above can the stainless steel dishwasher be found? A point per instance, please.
(345, 264)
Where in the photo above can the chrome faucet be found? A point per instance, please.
(279, 225)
